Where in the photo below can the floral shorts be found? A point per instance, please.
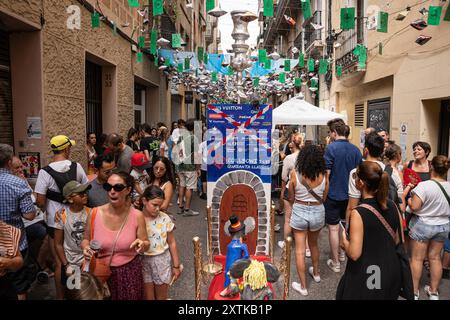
(157, 269)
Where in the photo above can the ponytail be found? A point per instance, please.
(383, 189)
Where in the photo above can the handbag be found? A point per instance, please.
(99, 269)
(407, 288)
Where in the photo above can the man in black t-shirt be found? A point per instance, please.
(149, 144)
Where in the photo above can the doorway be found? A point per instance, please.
(444, 128)
(241, 201)
(93, 98)
(6, 116)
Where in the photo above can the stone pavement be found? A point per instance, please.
(188, 227)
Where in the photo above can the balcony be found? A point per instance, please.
(313, 37)
(346, 58)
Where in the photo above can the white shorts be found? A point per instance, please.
(157, 269)
(188, 179)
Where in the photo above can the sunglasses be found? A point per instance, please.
(117, 187)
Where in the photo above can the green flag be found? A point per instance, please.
(447, 14)
(180, 67)
(383, 19)
(95, 18)
(200, 54)
(339, 71)
(313, 83)
(347, 18)
(434, 15)
(287, 65)
(298, 82)
(380, 48)
(282, 77)
(306, 8)
(167, 62)
(155, 61)
(323, 66)
(268, 64)
(114, 29)
(205, 58)
(311, 64)
(141, 42)
(153, 40)
(262, 55)
(158, 7)
(139, 57)
(268, 8)
(176, 40)
(210, 4)
(133, 3)
(187, 63)
(214, 76)
(301, 60)
(256, 81)
(230, 71)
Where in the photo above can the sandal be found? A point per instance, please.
(426, 264)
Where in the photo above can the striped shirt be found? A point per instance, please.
(9, 240)
(15, 201)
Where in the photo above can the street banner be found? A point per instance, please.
(239, 150)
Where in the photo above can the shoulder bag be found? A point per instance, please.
(96, 267)
(407, 288)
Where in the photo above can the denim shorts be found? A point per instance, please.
(307, 218)
(420, 231)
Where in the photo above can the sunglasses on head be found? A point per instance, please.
(117, 187)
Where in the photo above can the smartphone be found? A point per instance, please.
(344, 226)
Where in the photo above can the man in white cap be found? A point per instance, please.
(49, 186)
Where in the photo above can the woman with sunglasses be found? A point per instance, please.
(121, 231)
(161, 175)
(373, 268)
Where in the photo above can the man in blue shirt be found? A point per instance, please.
(15, 203)
(341, 157)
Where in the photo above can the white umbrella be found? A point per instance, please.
(297, 111)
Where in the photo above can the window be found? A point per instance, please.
(379, 114)
(93, 87)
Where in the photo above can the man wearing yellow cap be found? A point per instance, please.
(49, 186)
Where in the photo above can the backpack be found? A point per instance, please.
(61, 178)
(392, 194)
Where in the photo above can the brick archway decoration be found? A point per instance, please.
(248, 178)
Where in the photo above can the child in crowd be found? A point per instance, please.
(70, 228)
(160, 265)
(139, 164)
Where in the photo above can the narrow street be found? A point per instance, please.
(184, 288)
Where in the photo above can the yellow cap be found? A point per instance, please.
(59, 143)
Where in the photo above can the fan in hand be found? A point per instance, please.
(410, 176)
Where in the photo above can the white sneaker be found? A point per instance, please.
(281, 244)
(311, 273)
(277, 227)
(342, 256)
(416, 295)
(308, 253)
(190, 212)
(335, 267)
(431, 295)
(298, 287)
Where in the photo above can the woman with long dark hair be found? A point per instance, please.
(373, 267)
(161, 175)
(308, 188)
(91, 153)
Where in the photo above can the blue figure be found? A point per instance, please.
(236, 249)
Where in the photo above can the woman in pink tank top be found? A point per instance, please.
(120, 229)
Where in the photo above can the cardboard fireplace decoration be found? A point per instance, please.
(239, 194)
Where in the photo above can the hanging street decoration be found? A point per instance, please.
(306, 8)
(133, 3)
(95, 19)
(339, 71)
(289, 20)
(176, 40)
(153, 41)
(421, 40)
(141, 42)
(287, 65)
(323, 66)
(268, 8)
(419, 24)
(383, 20)
(311, 65)
(361, 52)
(434, 15)
(139, 57)
(347, 18)
(210, 4)
(158, 7)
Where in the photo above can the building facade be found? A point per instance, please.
(61, 77)
(404, 85)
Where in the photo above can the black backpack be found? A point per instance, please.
(392, 194)
(61, 179)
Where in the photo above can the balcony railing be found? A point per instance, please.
(312, 34)
(344, 54)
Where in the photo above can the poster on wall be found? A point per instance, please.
(34, 128)
(31, 164)
(239, 175)
(403, 137)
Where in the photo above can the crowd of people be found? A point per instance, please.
(111, 223)
(114, 221)
(360, 197)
